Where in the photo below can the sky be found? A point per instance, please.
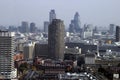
(96, 12)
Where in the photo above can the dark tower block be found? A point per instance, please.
(56, 43)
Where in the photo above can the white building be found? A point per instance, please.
(6, 55)
(88, 31)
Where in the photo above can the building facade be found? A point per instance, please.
(56, 43)
(7, 69)
(52, 15)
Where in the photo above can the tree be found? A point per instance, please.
(22, 67)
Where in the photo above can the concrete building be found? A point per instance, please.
(56, 42)
(28, 51)
(52, 15)
(46, 24)
(117, 33)
(89, 58)
(6, 56)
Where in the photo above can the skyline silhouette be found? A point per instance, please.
(96, 12)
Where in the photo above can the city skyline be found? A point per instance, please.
(100, 12)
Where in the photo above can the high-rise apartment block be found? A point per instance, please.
(52, 15)
(6, 56)
(56, 43)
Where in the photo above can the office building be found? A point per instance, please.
(24, 27)
(117, 33)
(46, 24)
(7, 70)
(77, 22)
(75, 25)
(56, 43)
(32, 27)
(52, 15)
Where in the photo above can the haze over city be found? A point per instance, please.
(96, 12)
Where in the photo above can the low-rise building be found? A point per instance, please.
(89, 58)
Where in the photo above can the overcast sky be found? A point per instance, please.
(96, 12)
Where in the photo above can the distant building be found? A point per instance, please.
(117, 33)
(111, 29)
(7, 70)
(46, 24)
(87, 32)
(32, 27)
(24, 27)
(56, 42)
(77, 22)
(75, 25)
(52, 15)
(84, 47)
(95, 30)
(72, 27)
(12, 29)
